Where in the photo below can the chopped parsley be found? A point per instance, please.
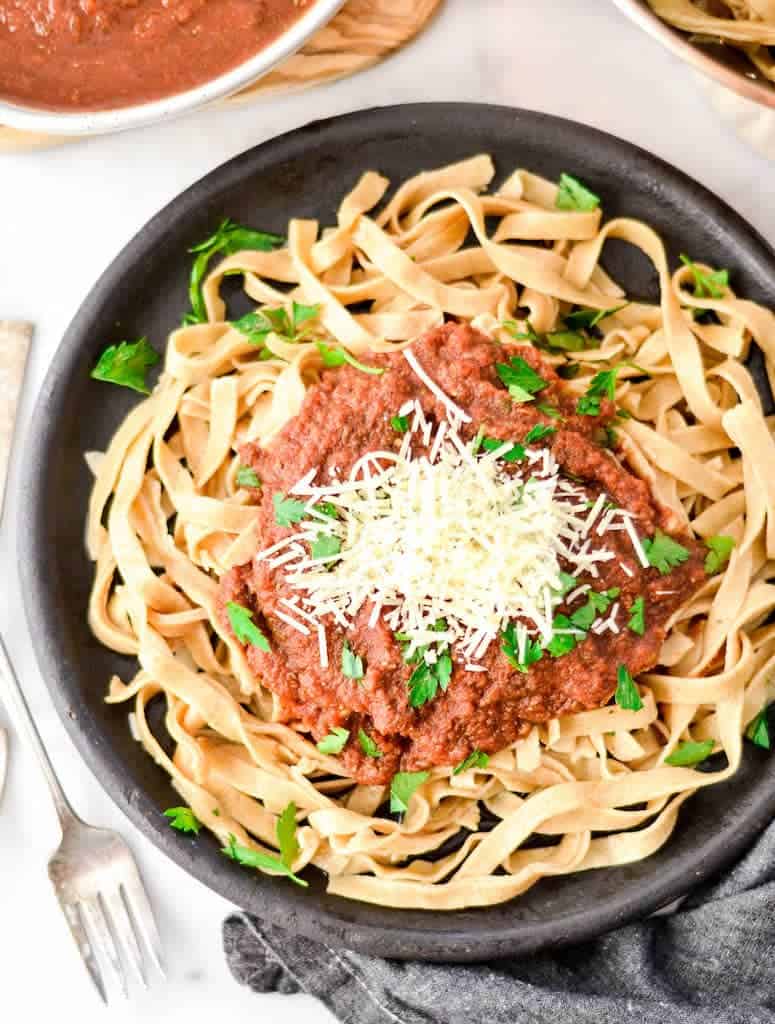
(245, 629)
(246, 477)
(288, 511)
(515, 454)
(758, 731)
(637, 623)
(426, 680)
(574, 195)
(569, 371)
(126, 364)
(352, 664)
(567, 583)
(259, 325)
(707, 284)
(403, 787)
(510, 647)
(603, 385)
(337, 355)
(368, 746)
(565, 642)
(564, 341)
(400, 424)
(521, 379)
(689, 753)
(183, 819)
(627, 696)
(250, 858)
(538, 433)
(325, 508)
(719, 550)
(664, 553)
(335, 742)
(476, 759)
(586, 319)
(228, 239)
(597, 604)
(549, 410)
(286, 835)
(326, 546)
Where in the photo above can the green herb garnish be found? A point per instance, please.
(368, 746)
(337, 355)
(586, 319)
(249, 858)
(567, 341)
(687, 754)
(538, 433)
(707, 285)
(627, 696)
(183, 819)
(510, 647)
(573, 195)
(288, 511)
(335, 742)
(246, 477)
(400, 424)
(603, 385)
(245, 629)
(637, 623)
(476, 759)
(259, 325)
(569, 371)
(562, 643)
(719, 550)
(515, 454)
(228, 239)
(597, 604)
(664, 553)
(286, 835)
(352, 664)
(326, 546)
(567, 583)
(549, 410)
(402, 789)
(758, 731)
(126, 364)
(521, 379)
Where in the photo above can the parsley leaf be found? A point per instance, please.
(549, 410)
(400, 424)
(476, 759)
(326, 546)
(687, 754)
(286, 835)
(337, 355)
(627, 696)
(288, 511)
(258, 325)
(597, 604)
(637, 623)
(719, 550)
(352, 664)
(521, 379)
(246, 477)
(573, 195)
(664, 553)
(250, 858)
(335, 742)
(538, 433)
(245, 629)
(562, 643)
(228, 239)
(126, 364)
(302, 313)
(183, 819)
(567, 341)
(588, 318)
(403, 787)
(707, 285)
(758, 731)
(569, 371)
(325, 508)
(510, 647)
(423, 685)
(567, 583)
(516, 454)
(603, 385)
(368, 746)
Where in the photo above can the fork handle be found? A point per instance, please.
(21, 716)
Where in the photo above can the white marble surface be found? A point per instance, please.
(65, 214)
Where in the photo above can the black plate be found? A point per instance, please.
(144, 292)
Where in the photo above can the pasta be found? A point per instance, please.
(746, 24)
(167, 519)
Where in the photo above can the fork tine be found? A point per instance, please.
(73, 918)
(123, 931)
(102, 941)
(142, 915)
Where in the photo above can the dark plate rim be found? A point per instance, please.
(273, 900)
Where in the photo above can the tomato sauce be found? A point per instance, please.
(102, 54)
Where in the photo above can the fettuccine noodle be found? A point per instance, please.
(167, 520)
(748, 25)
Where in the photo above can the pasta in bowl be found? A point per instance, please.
(449, 560)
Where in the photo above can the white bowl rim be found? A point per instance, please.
(751, 88)
(98, 122)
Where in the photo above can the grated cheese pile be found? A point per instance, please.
(441, 530)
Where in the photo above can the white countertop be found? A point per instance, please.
(65, 213)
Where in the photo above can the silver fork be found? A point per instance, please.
(94, 875)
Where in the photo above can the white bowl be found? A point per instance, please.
(97, 122)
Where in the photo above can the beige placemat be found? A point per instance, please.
(363, 33)
(15, 338)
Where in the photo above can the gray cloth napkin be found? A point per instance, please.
(712, 962)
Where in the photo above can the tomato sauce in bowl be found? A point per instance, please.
(76, 55)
